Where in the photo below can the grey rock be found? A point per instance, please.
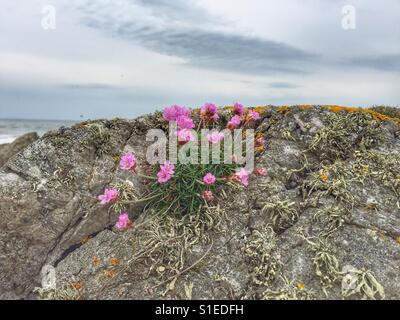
(9, 150)
(263, 242)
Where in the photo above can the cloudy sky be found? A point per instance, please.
(127, 57)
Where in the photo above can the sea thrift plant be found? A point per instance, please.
(109, 196)
(127, 162)
(183, 188)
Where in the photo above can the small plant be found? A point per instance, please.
(327, 267)
(282, 213)
(291, 290)
(260, 253)
(333, 217)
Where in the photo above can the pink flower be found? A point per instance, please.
(243, 177)
(215, 137)
(127, 162)
(234, 123)
(174, 112)
(167, 170)
(254, 116)
(209, 179)
(184, 122)
(168, 167)
(208, 196)
(110, 195)
(185, 136)
(123, 221)
(209, 112)
(261, 172)
(260, 141)
(238, 109)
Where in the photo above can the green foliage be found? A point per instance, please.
(182, 194)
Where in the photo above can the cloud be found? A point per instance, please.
(283, 85)
(386, 62)
(177, 28)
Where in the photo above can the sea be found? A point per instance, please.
(10, 129)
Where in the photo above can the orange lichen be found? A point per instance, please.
(76, 285)
(262, 109)
(85, 240)
(95, 262)
(260, 149)
(114, 262)
(324, 175)
(398, 239)
(375, 115)
(300, 285)
(305, 107)
(283, 110)
(110, 274)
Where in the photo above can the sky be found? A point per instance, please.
(74, 59)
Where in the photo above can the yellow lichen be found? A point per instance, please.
(300, 285)
(283, 110)
(305, 107)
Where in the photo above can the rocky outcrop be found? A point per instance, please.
(324, 223)
(9, 150)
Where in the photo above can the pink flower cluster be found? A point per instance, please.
(167, 170)
(238, 109)
(127, 162)
(209, 112)
(215, 137)
(242, 176)
(109, 196)
(123, 221)
(235, 122)
(183, 121)
(185, 136)
(207, 195)
(175, 112)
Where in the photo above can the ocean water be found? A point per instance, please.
(10, 129)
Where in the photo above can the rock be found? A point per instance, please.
(9, 150)
(300, 232)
